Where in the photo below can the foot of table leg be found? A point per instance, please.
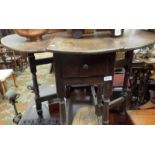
(62, 113)
(68, 112)
(39, 108)
(106, 111)
(40, 114)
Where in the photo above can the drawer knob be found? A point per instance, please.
(85, 66)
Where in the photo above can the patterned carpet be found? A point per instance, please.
(23, 80)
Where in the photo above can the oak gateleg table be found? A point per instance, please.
(86, 61)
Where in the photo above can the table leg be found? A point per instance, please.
(62, 112)
(33, 69)
(60, 87)
(107, 90)
(106, 111)
(128, 59)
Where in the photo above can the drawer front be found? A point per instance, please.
(87, 66)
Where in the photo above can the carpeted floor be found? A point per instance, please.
(23, 80)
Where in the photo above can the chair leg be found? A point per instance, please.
(14, 80)
(4, 85)
(1, 90)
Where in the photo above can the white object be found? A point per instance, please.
(5, 73)
(108, 78)
(117, 32)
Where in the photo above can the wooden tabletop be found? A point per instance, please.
(89, 44)
(21, 44)
(98, 43)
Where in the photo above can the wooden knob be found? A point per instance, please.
(85, 66)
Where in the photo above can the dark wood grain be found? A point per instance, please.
(83, 61)
(141, 117)
(21, 44)
(98, 43)
(95, 43)
(86, 66)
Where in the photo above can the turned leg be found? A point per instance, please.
(33, 69)
(101, 102)
(107, 92)
(128, 59)
(106, 102)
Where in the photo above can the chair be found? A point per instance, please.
(4, 75)
(21, 60)
(11, 59)
(6, 61)
(2, 57)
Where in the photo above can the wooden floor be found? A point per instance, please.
(84, 114)
(142, 117)
(145, 115)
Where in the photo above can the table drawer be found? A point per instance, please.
(87, 66)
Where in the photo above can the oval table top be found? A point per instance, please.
(98, 43)
(21, 44)
(62, 42)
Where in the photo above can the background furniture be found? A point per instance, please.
(4, 75)
(31, 48)
(11, 59)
